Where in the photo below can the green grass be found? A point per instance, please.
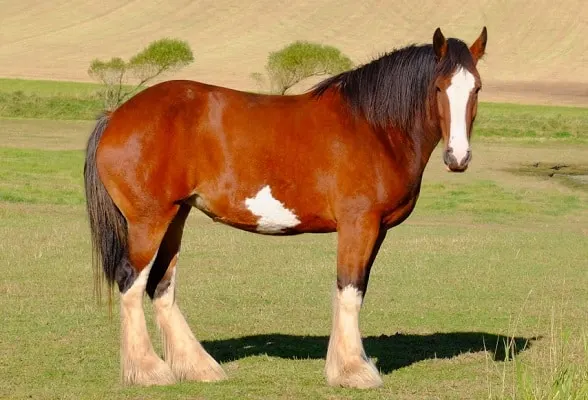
(487, 201)
(56, 100)
(20, 105)
(44, 88)
(41, 177)
(481, 249)
(512, 121)
(437, 295)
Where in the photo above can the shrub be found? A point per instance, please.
(159, 57)
(298, 61)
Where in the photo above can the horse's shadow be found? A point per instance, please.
(392, 352)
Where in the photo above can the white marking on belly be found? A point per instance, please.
(458, 92)
(274, 217)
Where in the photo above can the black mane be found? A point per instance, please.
(393, 90)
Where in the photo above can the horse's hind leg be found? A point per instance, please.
(184, 354)
(140, 364)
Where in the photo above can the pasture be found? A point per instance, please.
(489, 259)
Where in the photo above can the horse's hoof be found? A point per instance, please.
(208, 374)
(359, 374)
(148, 372)
(200, 368)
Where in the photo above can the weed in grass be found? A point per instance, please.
(561, 374)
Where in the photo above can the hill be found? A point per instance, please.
(537, 51)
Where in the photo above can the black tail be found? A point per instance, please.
(107, 224)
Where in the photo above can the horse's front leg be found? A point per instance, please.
(358, 243)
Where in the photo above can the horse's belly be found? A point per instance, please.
(262, 212)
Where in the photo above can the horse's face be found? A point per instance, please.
(457, 85)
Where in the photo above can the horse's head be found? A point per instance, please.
(457, 84)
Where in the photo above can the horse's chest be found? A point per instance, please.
(397, 214)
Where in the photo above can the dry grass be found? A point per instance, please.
(55, 135)
(541, 42)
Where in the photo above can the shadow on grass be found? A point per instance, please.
(393, 352)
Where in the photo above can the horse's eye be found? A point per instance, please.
(438, 88)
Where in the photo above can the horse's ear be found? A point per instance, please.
(439, 44)
(479, 46)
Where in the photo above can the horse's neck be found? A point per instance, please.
(430, 134)
(424, 137)
(431, 139)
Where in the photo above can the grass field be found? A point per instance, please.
(487, 257)
(45, 88)
(22, 98)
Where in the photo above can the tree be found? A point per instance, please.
(161, 56)
(298, 61)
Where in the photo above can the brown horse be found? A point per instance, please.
(348, 156)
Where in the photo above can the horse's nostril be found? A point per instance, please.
(467, 158)
(448, 157)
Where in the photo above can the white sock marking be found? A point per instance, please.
(349, 305)
(274, 216)
(140, 363)
(132, 299)
(183, 353)
(458, 92)
(347, 364)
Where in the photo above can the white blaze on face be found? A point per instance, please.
(458, 92)
(274, 217)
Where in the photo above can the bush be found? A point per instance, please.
(298, 61)
(161, 56)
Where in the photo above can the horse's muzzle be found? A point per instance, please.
(453, 164)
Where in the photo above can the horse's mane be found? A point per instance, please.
(393, 90)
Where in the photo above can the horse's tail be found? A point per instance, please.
(107, 224)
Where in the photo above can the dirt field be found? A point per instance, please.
(537, 51)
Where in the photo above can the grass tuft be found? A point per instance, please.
(559, 372)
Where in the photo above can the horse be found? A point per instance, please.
(346, 156)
